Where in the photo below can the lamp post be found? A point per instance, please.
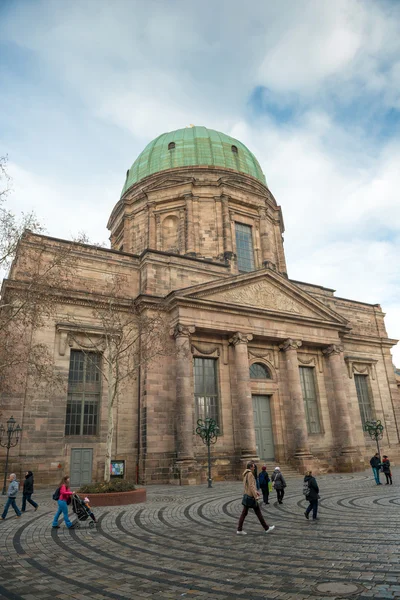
(375, 431)
(208, 430)
(10, 435)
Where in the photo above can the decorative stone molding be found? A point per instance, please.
(208, 350)
(182, 330)
(290, 344)
(266, 354)
(361, 365)
(240, 338)
(332, 349)
(310, 360)
(81, 336)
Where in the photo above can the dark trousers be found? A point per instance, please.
(388, 478)
(265, 493)
(280, 494)
(313, 506)
(11, 502)
(245, 511)
(27, 498)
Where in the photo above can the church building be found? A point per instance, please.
(289, 371)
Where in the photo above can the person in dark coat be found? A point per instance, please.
(386, 470)
(375, 463)
(28, 491)
(264, 480)
(255, 473)
(279, 484)
(312, 496)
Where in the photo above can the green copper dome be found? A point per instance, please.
(193, 146)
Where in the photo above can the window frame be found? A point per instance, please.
(217, 395)
(358, 377)
(307, 400)
(250, 228)
(267, 369)
(90, 393)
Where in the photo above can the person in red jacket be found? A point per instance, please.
(65, 496)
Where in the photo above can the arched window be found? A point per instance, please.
(259, 371)
(127, 174)
(171, 145)
(234, 149)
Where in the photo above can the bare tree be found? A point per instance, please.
(11, 225)
(129, 335)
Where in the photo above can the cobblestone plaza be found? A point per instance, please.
(182, 543)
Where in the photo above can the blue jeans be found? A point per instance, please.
(11, 502)
(27, 498)
(62, 508)
(376, 475)
(313, 506)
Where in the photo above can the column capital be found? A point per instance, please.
(290, 344)
(332, 349)
(182, 330)
(262, 212)
(240, 338)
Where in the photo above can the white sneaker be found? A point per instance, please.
(241, 533)
(271, 528)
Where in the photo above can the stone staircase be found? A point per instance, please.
(287, 470)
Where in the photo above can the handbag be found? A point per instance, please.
(249, 501)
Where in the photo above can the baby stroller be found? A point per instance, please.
(82, 510)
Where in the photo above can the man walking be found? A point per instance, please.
(12, 494)
(375, 463)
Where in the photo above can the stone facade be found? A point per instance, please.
(173, 238)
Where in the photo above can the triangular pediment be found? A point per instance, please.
(264, 290)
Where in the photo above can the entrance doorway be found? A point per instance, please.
(263, 427)
(81, 466)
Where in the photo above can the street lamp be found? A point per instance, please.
(10, 434)
(375, 431)
(208, 430)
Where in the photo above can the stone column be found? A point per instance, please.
(299, 422)
(184, 393)
(246, 417)
(189, 226)
(227, 228)
(349, 459)
(266, 251)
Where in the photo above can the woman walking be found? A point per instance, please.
(386, 470)
(28, 491)
(312, 495)
(250, 498)
(63, 501)
(279, 484)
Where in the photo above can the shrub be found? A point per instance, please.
(103, 487)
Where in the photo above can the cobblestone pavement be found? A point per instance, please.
(183, 543)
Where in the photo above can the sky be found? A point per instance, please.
(312, 87)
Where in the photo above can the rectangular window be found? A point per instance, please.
(244, 247)
(84, 388)
(308, 387)
(206, 389)
(364, 398)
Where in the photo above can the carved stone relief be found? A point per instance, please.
(207, 349)
(262, 295)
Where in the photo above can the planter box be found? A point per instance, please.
(118, 498)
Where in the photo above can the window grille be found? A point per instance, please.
(244, 247)
(307, 379)
(84, 387)
(206, 389)
(364, 398)
(259, 371)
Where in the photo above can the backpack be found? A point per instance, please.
(306, 488)
(56, 495)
